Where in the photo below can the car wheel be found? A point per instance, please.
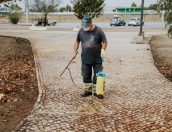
(128, 24)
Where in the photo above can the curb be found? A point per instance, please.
(40, 89)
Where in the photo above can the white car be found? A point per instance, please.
(134, 22)
(117, 21)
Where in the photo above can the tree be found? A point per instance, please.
(92, 8)
(68, 8)
(133, 4)
(62, 9)
(14, 15)
(4, 1)
(166, 6)
(15, 7)
(153, 7)
(11, 4)
(45, 7)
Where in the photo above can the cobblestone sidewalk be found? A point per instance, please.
(137, 99)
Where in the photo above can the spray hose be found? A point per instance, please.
(70, 71)
(72, 78)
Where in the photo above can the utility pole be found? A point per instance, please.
(27, 10)
(141, 19)
(53, 4)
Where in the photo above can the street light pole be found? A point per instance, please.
(141, 19)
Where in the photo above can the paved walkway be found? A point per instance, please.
(138, 98)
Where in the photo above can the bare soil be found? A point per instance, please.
(161, 47)
(18, 83)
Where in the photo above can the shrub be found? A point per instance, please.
(14, 17)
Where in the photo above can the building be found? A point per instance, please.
(127, 10)
(131, 11)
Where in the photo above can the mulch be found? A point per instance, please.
(18, 82)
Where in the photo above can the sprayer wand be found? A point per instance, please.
(69, 63)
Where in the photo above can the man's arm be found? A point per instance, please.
(76, 47)
(104, 45)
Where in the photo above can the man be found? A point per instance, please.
(94, 43)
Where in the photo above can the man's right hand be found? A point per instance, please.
(75, 51)
(74, 54)
(74, 57)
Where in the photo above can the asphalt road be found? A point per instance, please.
(107, 25)
(148, 26)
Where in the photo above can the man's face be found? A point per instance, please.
(87, 27)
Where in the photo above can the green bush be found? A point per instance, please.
(14, 17)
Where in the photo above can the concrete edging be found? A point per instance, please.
(40, 89)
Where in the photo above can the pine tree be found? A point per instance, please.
(133, 4)
(92, 8)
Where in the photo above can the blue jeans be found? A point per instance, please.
(87, 72)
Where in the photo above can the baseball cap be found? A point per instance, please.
(86, 21)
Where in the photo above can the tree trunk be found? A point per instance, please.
(45, 20)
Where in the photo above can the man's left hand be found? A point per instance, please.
(103, 54)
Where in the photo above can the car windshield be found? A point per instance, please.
(135, 19)
(114, 20)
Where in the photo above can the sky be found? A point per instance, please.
(117, 3)
(111, 4)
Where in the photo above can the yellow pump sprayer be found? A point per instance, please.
(100, 85)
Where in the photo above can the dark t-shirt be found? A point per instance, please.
(91, 42)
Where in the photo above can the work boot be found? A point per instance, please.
(93, 88)
(86, 93)
(99, 96)
(88, 90)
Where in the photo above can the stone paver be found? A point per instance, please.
(137, 98)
